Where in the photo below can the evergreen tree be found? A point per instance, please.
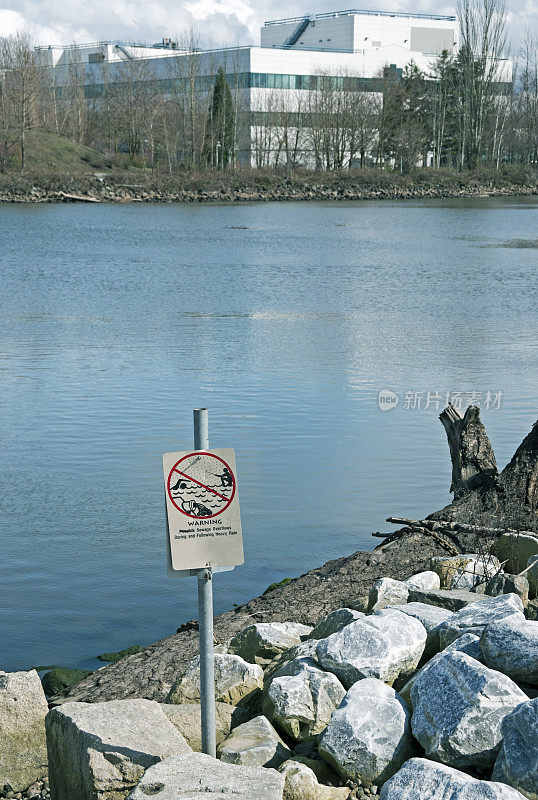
(220, 128)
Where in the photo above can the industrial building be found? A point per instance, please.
(349, 48)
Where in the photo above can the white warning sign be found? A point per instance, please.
(202, 504)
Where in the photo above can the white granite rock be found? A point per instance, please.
(236, 681)
(200, 776)
(300, 783)
(427, 580)
(474, 618)
(301, 698)
(458, 707)
(387, 592)
(532, 576)
(369, 736)
(382, 645)
(306, 649)
(431, 617)
(334, 621)
(515, 549)
(420, 779)
(99, 751)
(511, 646)
(468, 643)
(517, 762)
(23, 748)
(186, 717)
(254, 744)
(262, 642)
(464, 571)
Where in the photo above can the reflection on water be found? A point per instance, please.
(285, 320)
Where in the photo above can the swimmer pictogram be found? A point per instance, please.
(201, 485)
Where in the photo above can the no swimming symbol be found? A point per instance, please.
(201, 485)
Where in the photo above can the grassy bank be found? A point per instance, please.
(129, 185)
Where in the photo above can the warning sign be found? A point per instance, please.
(202, 506)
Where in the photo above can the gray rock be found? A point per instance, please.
(236, 681)
(475, 618)
(254, 744)
(99, 751)
(383, 645)
(262, 642)
(387, 592)
(532, 576)
(369, 736)
(306, 649)
(451, 599)
(511, 647)
(196, 775)
(23, 748)
(515, 549)
(509, 584)
(187, 719)
(334, 621)
(464, 571)
(431, 617)
(301, 698)
(517, 762)
(458, 707)
(301, 783)
(424, 580)
(420, 779)
(468, 643)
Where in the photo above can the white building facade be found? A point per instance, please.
(298, 58)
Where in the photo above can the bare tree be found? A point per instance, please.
(21, 83)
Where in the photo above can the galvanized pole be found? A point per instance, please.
(205, 617)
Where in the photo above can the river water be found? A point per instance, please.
(285, 320)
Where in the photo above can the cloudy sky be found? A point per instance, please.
(220, 22)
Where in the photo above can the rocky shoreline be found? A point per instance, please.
(107, 190)
(370, 687)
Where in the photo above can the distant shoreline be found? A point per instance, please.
(252, 186)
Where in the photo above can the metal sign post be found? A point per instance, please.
(205, 617)
(204, 537)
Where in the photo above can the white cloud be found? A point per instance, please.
(11, 22)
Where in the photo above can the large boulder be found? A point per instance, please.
(301, 698)
(458, 707)
(424, 580)
(197, 775)
(464, 571)
(187, 719)
(236, 681)
(532, 576)
(334, 621)
(517, 762)
(468, 643)
(511, 646)
(387, 592)
(515, 549)
(451, 599)
(475, 618)
(99, 751)
(262, 642)
(508, 584)
(369, 736)
(420, 779)
(383, 645)
(23, 748)
(306, 649)
(301, 783)
(431, 617)
(254, 744)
